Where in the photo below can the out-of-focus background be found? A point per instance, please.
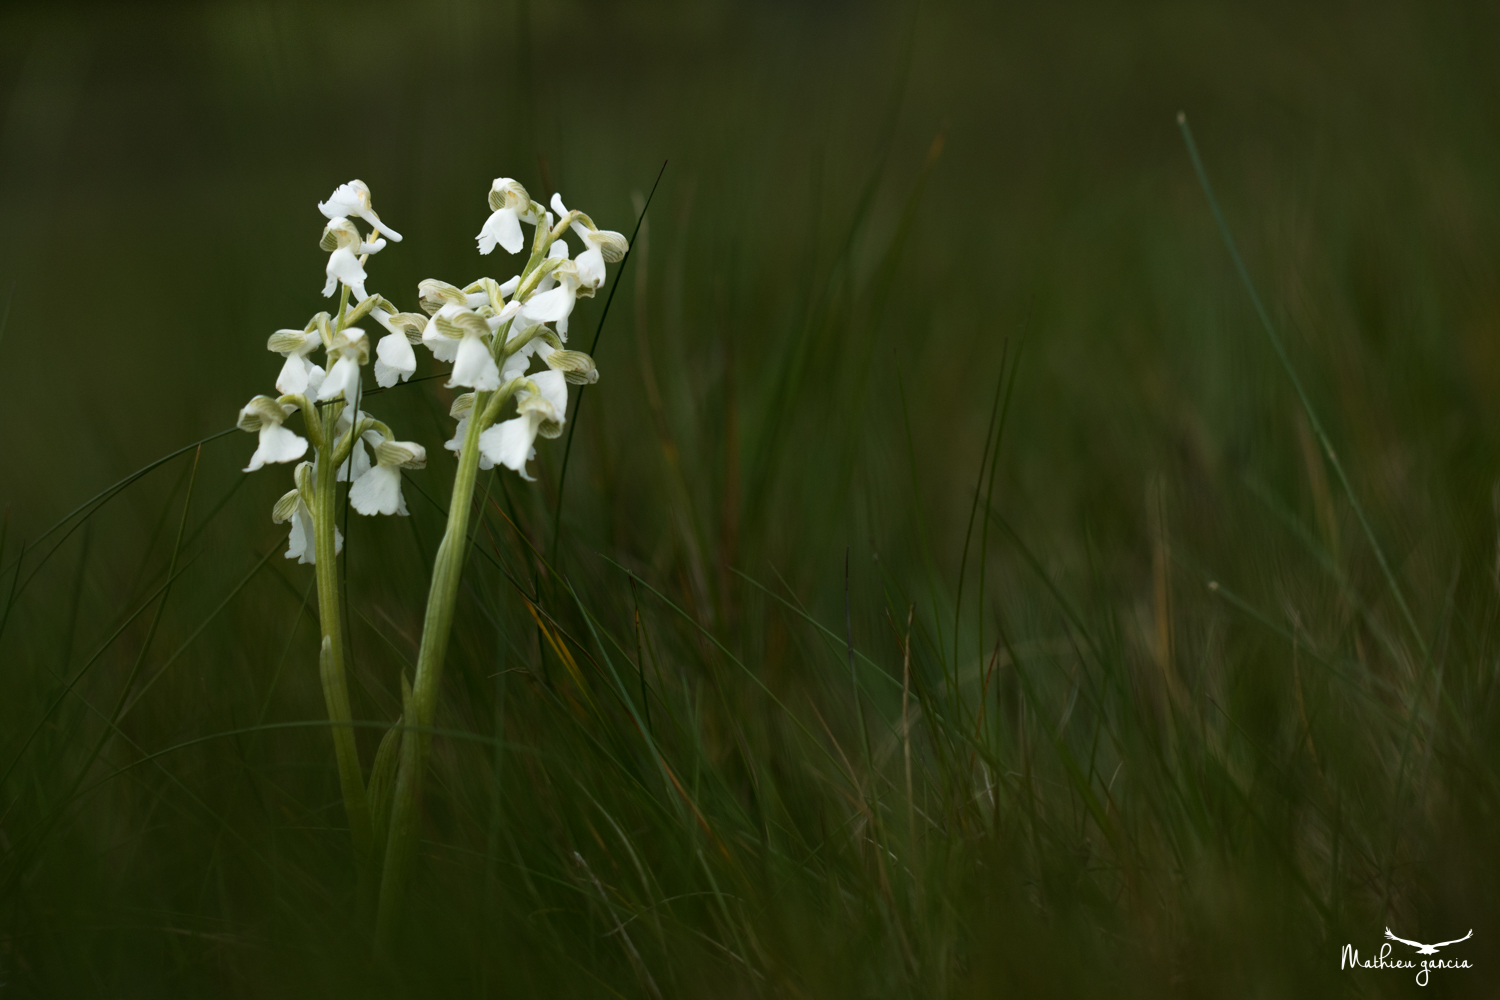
(872, 218)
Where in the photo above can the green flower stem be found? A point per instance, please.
(436, 629)
(331, 655)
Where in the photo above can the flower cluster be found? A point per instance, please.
(492, 331)
(327, 395)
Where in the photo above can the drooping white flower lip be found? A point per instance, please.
(511, 206)
(378, 491)
(353, 198)
(350, 349)
(344, 266)
(443, 347)
(276, 443)
(502, 228)
(509, 443)
(395, 361)
(298, 373)
(345, 247)
(472, 364)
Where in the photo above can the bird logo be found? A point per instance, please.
(1427, 949)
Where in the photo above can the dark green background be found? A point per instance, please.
(865, 209)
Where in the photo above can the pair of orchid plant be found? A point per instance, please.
(490, 332)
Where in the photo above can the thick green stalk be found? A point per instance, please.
(436, 627)
(331, 655)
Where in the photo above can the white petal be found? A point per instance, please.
(344, 266)
(344, 201)
(394, 360)
(559, 246)
(474, 367)
(378, 491)
(501, 227)
(277, 444)
(550, 306)
(590, 266)
(293, 377)
(516, 364)
(509, 288)
(557, 205)
(507, 312)
(299, 544)
(509, 443)
(315, 377)
(443, 348)
(343, 379)
(455, 444)
(554, 388)
(356, 465)
(378, 226)
(382, 317)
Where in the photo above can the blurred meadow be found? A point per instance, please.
(949, 595)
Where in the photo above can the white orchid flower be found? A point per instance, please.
(298, 374)
(395, 361)
(443, 347)
(599, 245)
(293, 507)
(512, 206)
(440, 299)
(345, 247)
(353, 198)
(555, 294)
(349, 350)
(511, 442)
(277, 443)
(472, 364)
(378, 491)
(555, 305)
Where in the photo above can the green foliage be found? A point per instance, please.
(950, 596)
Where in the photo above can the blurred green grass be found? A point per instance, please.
(870, 214)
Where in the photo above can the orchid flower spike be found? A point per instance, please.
(345, 247)
(348, 350)
(353, 198)
(378, 491)
(542, 405)
(511, 206)
(298, 374)
(277, 443)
